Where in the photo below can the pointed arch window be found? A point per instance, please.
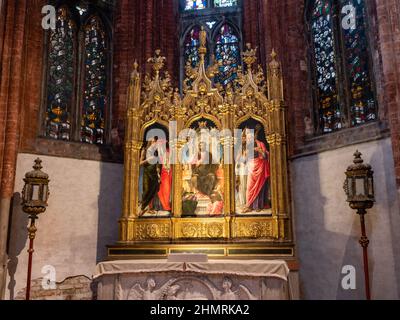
(343, 84)
(77, 87)
(222, 21)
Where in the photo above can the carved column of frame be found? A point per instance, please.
(226, 139)
(278, 141)
(133, 145)
(177, 167)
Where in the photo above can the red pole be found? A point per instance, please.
(364, 242)
(32, 231)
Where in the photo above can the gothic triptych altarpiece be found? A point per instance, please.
(202, 195)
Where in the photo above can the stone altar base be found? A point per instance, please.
(214, 280)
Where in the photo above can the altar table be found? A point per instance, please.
(213, 280)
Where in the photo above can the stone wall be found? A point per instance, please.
(327, 230)
(74, 288)
(82, 218)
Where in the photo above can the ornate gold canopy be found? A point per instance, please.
(152, 100)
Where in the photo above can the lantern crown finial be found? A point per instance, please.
(38, 164)
(37, 171)
(357, 157)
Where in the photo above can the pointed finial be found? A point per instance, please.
(249, 56)
(357, 157)
(203, 41)
(157, 61)
(273, 54)
(38, 164)
(135, 65)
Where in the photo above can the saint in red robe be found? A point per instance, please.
(258, 175)
(164, 193)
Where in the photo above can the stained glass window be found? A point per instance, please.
(225, 3)
(362, 101)
(195, 4)
(325, 64)
(192, 44)
(227, 54)
(95, 87)
(60, 84)
(77, 87)
(344, 85)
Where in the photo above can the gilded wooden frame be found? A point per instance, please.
(154, 101)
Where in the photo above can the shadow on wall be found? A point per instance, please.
(19, 223)
(328, 231)
(320, 250)
(110, 208)
(353, 257)
(392, 219)
(382, 222)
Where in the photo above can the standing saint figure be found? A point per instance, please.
(164, 193)
(151, 175)
(258, 175)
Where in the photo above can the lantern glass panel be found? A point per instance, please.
(371, 186)
(35, 192)
(360, 186)
(27, 193)
(45, 193)
(349, 187)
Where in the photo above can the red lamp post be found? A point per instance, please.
(34, 202)
(359, 188)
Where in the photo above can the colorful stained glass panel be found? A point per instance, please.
(225, 3)
(227, 54)
(95, 83)
(325, 65)
(60, 89)
(195, 4)
(362, 101)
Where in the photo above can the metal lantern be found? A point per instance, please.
(34, 202)
(359, 184)
(359, 188)
(36, 190)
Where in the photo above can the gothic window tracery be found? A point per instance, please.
(343, 85)
(222, 21)
(77, 75)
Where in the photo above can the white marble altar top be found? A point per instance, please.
(251, 268)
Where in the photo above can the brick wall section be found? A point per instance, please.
(32, 95)
(73, 288)
(141, 27)
(11, 89)
(388, 16)
(279, 25)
